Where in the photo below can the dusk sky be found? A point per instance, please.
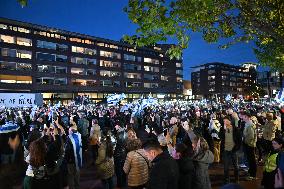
(106, 19)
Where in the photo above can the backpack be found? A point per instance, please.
(40, 173)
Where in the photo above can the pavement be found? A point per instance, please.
(89, 180)
(216, 173)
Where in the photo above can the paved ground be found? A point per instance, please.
(89, 181)
(88, 178)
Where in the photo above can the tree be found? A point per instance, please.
(256, 91)
(239, 20)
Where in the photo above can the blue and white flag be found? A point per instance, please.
(34, 109)
(9, 127)
(115, 98)
(280, 96)
(228, 97)
(76, 141)
(125, 107)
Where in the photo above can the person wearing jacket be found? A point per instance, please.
(186, 167)
(73, 157)
(164, 173)
(95, 135)
(136, 165)
(214, 129)
(269, 130)
(231, 137)
(120, 153)
(270, 167)
(249, 144)
(201, 159)
(105, 163)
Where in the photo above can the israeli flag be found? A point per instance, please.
(9, 127)
(280, 96)
(228, 97)
(125, 107)
(50, 113)
(115, 98)
(135, 109)
(33, 112)
(76, 141)
(57, 105)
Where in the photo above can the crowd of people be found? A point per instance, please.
(167, 146)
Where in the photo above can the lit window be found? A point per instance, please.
(84, 82)
(7, 39)
(164, 78)
(3, 26)
(151, 85)
(150, 60)
(15, 79)
(23, 30)
(24, 41)
(178, 65)
(110, 54)
(132, 75)
(78, 71)
(24, 54)
(105, 63)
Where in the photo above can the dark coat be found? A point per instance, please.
(201, 163)
(186, 173)
(164, 173)
(237, 137)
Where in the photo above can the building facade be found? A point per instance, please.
(216, 79)
(63, 64)
(270, 81)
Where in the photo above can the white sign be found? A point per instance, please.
(18, 99)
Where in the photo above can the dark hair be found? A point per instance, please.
(37, 153)
(247, 113)
(152, 144)
(183, 150)
(34, 135)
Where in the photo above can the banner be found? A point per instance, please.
(20, 99)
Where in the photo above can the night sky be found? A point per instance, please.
(106, 19)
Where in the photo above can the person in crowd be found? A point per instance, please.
(73, 157)
(214, 129)
(120, 153)
(83, 125)
(164, 172)
(231, 139)
(270, 167)
(105, 163)
(11, 163)
(94, 138)
(136, 165)
(249, 143)
(269, 130)
(36, 174)
(260, 140)
(185, 164)
(202, 157)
